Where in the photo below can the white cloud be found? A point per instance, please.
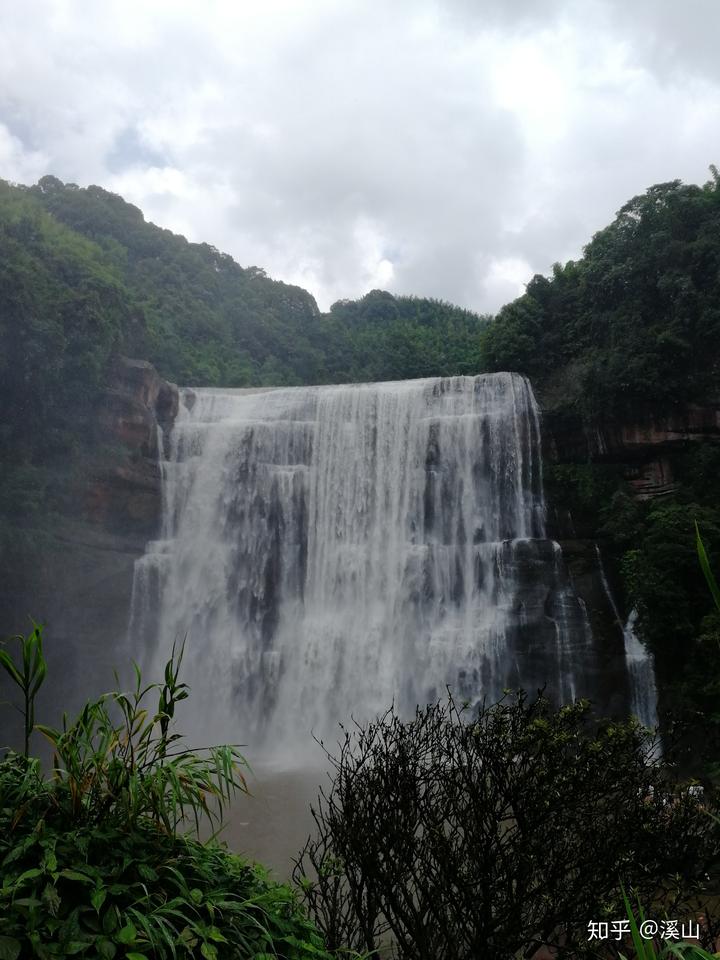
(19, 164)
(443, 148)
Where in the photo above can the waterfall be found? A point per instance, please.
(640, 663)
(641, 668)
(328, 551)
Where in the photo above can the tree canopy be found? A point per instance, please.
(636, 320)
(493, 831)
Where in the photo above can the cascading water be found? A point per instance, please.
(639, 660)
(328, 551)
(641, 668)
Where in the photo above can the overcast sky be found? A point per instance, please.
(449, 149)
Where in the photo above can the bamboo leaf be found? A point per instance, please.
(705, 565)
(7, 664)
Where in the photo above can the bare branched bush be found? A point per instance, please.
(464, 834)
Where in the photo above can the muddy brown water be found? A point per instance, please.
(272, 824)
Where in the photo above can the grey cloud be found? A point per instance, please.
(516, 15)
(317, 140)
(673, 40)
(129, 150)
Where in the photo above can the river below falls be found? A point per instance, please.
(272, 824)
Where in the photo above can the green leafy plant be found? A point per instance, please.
(646, 949)
(705, 565)
(104, 890)
(120, 760)
(28, 675)
(92, 861)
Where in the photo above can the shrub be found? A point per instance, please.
(463, 834)
(92, 861)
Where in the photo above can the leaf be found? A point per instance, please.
(28, 875)
(7, 664)
(216, 935)
(75, 946)
(127, 934)
(208, 951)
(75, 875)
(97, 898)
(147, 873)
(705, 565)
(118, 889)
(21, 848)
(9, 948)
(51, 899)
(106, 949)
(135, 956)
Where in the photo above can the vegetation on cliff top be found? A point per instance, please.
(203, 319)
(635, 321)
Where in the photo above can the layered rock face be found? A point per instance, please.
(139, 406)
(644, 445)
(82, 590)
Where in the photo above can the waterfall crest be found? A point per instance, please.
(328, 551)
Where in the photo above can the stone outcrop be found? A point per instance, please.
(648, 431)
(138, 409)
(644, 445)
(82, 590)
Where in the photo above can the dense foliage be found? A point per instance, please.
(463, 835)
(629, 332)
(636, 321)
(650, 552)
(92, 861)
(63, 311)
(203, 319)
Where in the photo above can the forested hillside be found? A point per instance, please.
(635, 321)
(203, 319)
(83, 276)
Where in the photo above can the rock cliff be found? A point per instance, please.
(82, 589)
(645, 449)
(644, 444)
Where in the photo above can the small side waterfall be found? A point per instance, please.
(641, 668)
(640, 663)
(330, 550)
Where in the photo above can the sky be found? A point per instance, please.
(449, 149)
